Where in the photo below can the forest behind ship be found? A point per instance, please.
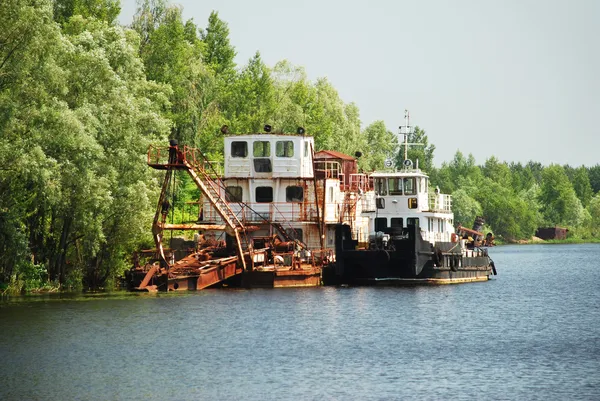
(82, 97)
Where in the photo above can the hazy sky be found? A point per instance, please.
(516, 79)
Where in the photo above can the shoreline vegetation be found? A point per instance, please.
(49, 289)
(82, 98)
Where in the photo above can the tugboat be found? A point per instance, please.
(412, 238)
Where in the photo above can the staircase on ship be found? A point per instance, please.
(191, 271)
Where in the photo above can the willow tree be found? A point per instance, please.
(77, 116)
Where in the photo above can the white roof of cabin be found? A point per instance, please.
(401, 173)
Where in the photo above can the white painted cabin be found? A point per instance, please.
(271, 177)
(404, 198)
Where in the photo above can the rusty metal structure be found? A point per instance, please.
(268, 242)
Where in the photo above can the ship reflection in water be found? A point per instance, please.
(533, 334)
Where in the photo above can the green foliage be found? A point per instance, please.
(582, 186)
(465, 208)
(172, 54)
(561, 205)
(594, 211)
(218, 52)
(251, 102)
(594, 177)
(78, 115)
(459, 172)
(381, 145)
(497, 172)
(106, 10)
(81, 99)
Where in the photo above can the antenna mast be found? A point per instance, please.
(405, 130)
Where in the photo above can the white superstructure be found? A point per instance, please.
(403, 198)
(276, 178)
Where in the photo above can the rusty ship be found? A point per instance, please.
(268, 219)
(279, 214)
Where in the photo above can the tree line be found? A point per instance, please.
(516, 198)
(82, 97)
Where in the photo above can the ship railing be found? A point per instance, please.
(358, 182)
(159, 156)
(282, 212)
(328, 169)
(477, 251)
(258, 212)
(214, 169)
(436, 236)
(440, 202)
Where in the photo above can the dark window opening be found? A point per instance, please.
(381, 186)
(380, 203)
(262, 149)
(294, 194)
(380, 223)
(264, 194)
(284, 149)
(397, 222)
(239, 149)
(395, 185)
(412, 221)
(294, 233)
(263, 166)
(233, 194)
(412, 203)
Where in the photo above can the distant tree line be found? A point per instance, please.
(81, 98)
(516, 198)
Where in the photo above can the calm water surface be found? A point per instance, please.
(531, 333)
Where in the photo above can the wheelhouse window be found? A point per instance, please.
(261, 152)
(233, 194)
(397, 222)
(264, 194)
(306, 148)
(395, 186)
(381, 186)
(262, 149)
(412, 221)
(294, 194)
(284, 149)
(239, 149)
(409, 186)
(380, 223)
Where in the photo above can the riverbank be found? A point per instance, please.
(536, 241)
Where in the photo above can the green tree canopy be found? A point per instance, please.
(218, 52)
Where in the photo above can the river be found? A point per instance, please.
(533, 332)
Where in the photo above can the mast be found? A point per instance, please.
(405, 130)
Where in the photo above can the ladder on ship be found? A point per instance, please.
(195, 164)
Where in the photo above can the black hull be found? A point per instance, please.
(406, 260)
